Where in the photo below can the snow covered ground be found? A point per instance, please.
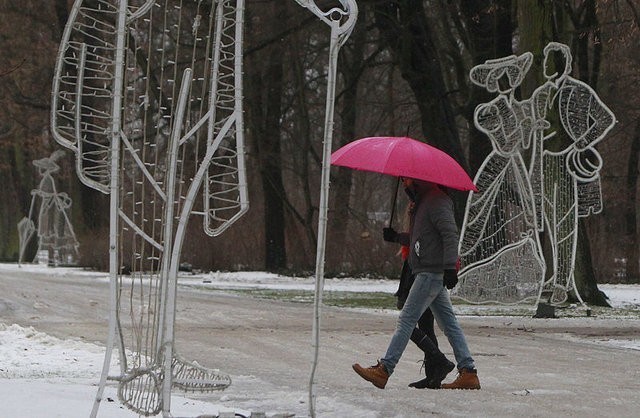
(43, 376)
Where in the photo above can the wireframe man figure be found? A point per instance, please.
(565, 168)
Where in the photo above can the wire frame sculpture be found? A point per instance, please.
(499, 249)
(341, 20)
(148, 95)
(50, 211)
(542, 175)
(569, 170)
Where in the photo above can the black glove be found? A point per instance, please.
(450, 279)
(389, 235)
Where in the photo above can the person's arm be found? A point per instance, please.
(403, 238)
(449, 233)
(444, 221)
(390, 235)
(594, 114)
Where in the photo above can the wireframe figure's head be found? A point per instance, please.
(48, 165)
(501, 75)
(557, 55)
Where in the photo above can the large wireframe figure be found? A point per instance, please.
(566, 166)
(148, 95)
(49, 210)
(499, 247)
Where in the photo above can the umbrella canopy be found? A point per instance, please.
(403, 157)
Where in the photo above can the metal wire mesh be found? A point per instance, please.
(148, 96)
(557, 129)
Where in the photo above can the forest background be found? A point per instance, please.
(403, 71)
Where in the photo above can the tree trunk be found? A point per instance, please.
(490, 33)
(29, 35)
(352, 62)
(265, 95)
(540, 23)
(405, 30)
(631, 242)
(301, 155)
(588, 68)
(584, 273)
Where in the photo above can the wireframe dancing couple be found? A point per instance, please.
(542, 175)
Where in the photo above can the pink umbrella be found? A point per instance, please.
(403, 157)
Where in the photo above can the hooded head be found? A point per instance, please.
(414, 187)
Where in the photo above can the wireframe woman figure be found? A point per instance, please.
(55, 232)
(499, 248)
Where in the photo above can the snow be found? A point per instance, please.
(43, 376)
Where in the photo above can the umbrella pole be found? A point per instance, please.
(393, 202)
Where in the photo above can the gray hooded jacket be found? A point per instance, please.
(433, 238)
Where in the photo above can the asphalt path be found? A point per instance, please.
(527, 367)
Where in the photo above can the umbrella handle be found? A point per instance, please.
(393, 202)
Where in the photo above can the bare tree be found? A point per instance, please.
(264, 95)
(27, 57)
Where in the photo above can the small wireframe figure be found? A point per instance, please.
(56, 237)
(567, 168)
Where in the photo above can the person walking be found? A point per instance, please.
(433, 243)
(436, 366)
